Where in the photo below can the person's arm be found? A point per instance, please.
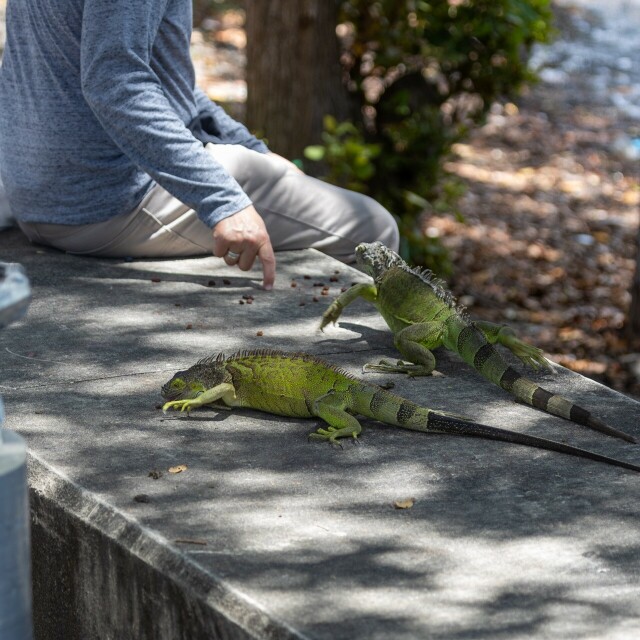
(229, 131)
(126, 97)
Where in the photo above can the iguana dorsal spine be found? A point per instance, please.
(303, 386)
(423, 315)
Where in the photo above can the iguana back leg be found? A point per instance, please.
(332, 408)
(414, 343)
(502, 334)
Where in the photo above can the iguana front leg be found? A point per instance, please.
(504, 335)
(363, 290)
(224, 391)
(414, 343)
(332, 408)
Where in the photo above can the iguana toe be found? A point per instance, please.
(331, 315)
(409, 368)
(178, 405)
(332, 435)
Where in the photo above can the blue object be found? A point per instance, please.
(15, 559)
(15, 549)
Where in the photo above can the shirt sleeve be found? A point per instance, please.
(127, 98)
(230, 131)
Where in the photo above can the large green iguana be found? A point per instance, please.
(302, 386)
(423, 315)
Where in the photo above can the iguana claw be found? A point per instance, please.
(180, 405)
(331, 434)
(529, 355)
(331, 315)
(400, 366)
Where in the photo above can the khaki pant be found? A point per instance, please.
(299, 212)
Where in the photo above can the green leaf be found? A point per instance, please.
(314, 152)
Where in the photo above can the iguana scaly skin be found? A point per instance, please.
(423, 315)
(302, 386)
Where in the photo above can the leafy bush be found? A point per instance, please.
(419, 74)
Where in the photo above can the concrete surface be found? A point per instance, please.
(266, 535)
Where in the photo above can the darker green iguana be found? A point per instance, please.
(302, 386)
(423, 315)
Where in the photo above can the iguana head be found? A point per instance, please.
(374, 258)
(189, 384)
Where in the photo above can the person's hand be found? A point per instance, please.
(242, 237)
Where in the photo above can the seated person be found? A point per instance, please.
(107, 147)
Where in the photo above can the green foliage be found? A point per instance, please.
(420, 74)
(349, 158)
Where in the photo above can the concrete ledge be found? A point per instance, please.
(266, 535)
(102, 574)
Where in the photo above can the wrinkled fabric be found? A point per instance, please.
(95, 101)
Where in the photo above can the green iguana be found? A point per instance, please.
(423, 315)
(302, 386)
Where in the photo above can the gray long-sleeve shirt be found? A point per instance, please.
(95, 99)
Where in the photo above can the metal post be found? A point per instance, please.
(15, 552)
(15, 549)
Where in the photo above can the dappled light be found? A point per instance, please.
(550, 219)
(281, 520)
(396, 535)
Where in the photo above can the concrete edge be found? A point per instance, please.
(222, 611)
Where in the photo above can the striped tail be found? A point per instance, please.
(484, 357)
(390, 409)
(533, 394)
(439, 423)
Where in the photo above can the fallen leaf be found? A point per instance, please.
(178, 469)
(404, 504)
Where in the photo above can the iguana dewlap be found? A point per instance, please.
(302, 386)
(423, 315)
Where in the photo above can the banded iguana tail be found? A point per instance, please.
(423, 315)
(302, 386)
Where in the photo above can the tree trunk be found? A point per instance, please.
(633, 316)
(293, 71)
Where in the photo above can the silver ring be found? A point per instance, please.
(233, 255)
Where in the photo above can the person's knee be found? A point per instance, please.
(382, 227)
